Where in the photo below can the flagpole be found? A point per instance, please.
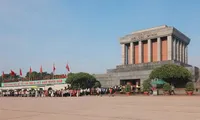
(53, 73)
(41, 72)
(53, 69)
(67, 69)
(41, 76)
(67, 72)
(2, 76)
(20, 74)
(10, 75)
(29, 74)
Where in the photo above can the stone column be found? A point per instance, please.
(159, 49)
(126, 54)
(169, 47)
(149, 50)
(183, 60)
(140, 52)
(177, 50)
(186, 54)
(174, 49)
(123, 53)
(181, 52)
(131, 53)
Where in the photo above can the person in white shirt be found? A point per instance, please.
(52, 94)
(36, 93)
(85, 91)
(15, 94)
(99, 91)
(77, 93)
(81, 91)
(88, 91)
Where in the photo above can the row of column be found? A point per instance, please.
(180, 51)
(176, 50)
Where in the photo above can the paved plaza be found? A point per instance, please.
(101, 108)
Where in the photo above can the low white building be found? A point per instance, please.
(55, 84)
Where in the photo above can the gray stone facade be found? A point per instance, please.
(176, 45)
(152, 33)
(141, 71)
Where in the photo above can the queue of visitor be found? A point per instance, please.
(59, 93)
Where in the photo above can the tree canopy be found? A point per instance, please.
(9, 76)
(38, 75)
(146, 85)
(171, 73)
(0, 82)
(82, 80)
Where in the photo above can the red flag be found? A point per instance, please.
(3, 74)
(30, 71)
(67, 67)
(54, 68)
(12, 73)
(20, 72)
(41, 69)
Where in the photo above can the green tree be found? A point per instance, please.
(172, 74)
(146, 85)
(37, 75)
(128, 88)
(70, 78)
(82, 80)
(166, 87)
(189, 86)
(32, 76)
(45, 75)
(97, 84)
(0, 82)
(8, 76)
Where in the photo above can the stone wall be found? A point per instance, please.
(105, 79)
(139, 71)
(144, 66)
(111, 79)
(195, 73)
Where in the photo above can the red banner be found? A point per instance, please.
(41, 82)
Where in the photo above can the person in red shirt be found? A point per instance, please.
(111, 92)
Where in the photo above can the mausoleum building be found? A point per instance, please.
(144, 50)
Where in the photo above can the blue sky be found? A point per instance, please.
(85, 33)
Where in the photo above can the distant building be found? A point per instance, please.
(144, 50)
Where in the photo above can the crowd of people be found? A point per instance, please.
(66, 92)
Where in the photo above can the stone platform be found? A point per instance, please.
(139, 71)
